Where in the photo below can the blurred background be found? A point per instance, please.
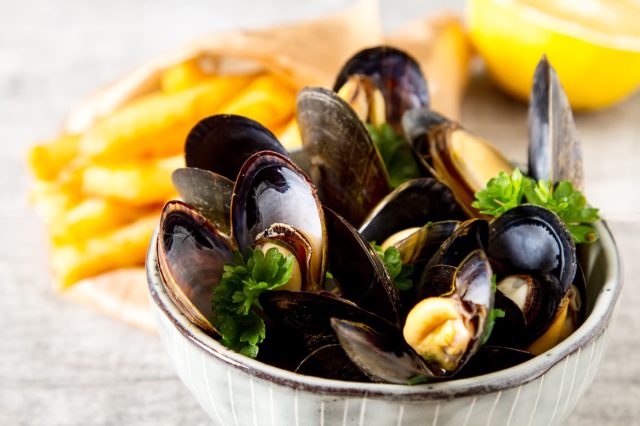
(61, 363)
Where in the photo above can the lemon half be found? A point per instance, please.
(594, 45)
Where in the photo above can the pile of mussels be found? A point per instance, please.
(324, 204)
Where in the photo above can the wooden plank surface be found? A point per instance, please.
(61, 364)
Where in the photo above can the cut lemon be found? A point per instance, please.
(594, 45)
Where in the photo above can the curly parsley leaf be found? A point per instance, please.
(505, 192)
(399, 272)
(502, 193)
(237, 293)
(396, 154)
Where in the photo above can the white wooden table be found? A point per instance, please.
(61, 364)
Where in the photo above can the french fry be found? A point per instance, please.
(289, 136)
(182, 76)
(51, 199)
(94, 216)
(268, 100)
(121, 248)
(157, 125)
(138, 183)
(47, 160)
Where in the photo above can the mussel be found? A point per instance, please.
(222, 143)
(453, 155)
(375, 87)
(395, 73)
(345, 164)
(555, 153)
(196, 240)
(191, 256)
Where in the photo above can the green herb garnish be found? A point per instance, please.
(491, 322)
(418, 379)
(236, 296)
(399, 272)
(493, 314)
(396, 154)
(505, 192)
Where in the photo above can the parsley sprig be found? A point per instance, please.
(236, 297)
(399, 272)
(505, 192)
(396, 154)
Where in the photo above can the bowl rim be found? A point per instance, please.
(594, 325)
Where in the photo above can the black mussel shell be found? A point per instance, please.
(331, 362)
(344, 162)
(304, 318)
(528, 319)
(532, 239)
(222, 143)
(489, 359)
(359, 271)
(438, 280)
(555, 152)
(191, 256)
(382, 354)
(412, 204)
(395, 73)
(417, 124)
(469, 236)
(208, 192)
(269, 190)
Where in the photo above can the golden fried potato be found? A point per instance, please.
(268, 100)
(95, 216)
(182, 76)
(48, 159)
(137, 183)
(123, 247)
(51, 199)
(157, 125)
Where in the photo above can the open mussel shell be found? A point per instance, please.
(208, 192)
(359, 271)
(412, 204)
(270, 189)
(345, 165)
(222, 143)
(417, 123)
(532, 239)
(287, 237)
(382, 355)
(555, 153)
(453, 155)
(469, 236)
(464, 161)
(447, 327)
(530, 303)
(191, 256)
(396, 74)
(420, 246)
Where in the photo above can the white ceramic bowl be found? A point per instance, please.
(236, 390)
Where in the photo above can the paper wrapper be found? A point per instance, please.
(309, 53)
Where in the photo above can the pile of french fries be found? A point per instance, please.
(100, 191)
